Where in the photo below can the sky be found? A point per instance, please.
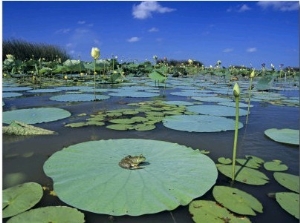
(237, 33)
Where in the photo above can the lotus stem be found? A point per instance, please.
(95, 79)
(249, 100)
(236, 93)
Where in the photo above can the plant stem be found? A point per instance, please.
(249, 99)
(237, 99)
(95, 78)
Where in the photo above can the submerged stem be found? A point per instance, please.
(237, 99)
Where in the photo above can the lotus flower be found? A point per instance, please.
(95, 53)
(236, 90)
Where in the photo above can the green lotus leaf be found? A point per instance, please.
(76, 124)
(288, 136)
(287, 180)
(5, 89)
(237, 201)
(212, 99)
(275, 165)
(244, 174)
(144, 127)
(199, 123)
(255, 158)
(35, 115)
(210, 211)
(58, 214)
(133, 93)
(50, 90)
(289, 201)
(120, 127)
(179, 103)
(19, 128)
(224, 160)
(78, 97)
(232, 104)
(10, 94)
(94, 122)
(249, 162)
(130, 112)
(122, 121)
(157, 76)
(139, 119)
(20, 198)
(87, 176)
(215, 110)
(264, 83)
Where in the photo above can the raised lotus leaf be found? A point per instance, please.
(288, 136)
(35, 115)
(20, 198)
(19, 128)
(289, 201)
(275, 165)
(236, 200)
(244, 174)
(287, 180)
(88, 176)
(210, 211)
(57, 214)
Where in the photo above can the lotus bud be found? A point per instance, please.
(252, 74)
(10, 56)
(95, 53)
(190, 61)
(236, 90)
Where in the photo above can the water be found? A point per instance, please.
(24, 156)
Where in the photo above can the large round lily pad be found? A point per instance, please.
(288, 136)
(287, 180)
(78, 97)
(20, 198)
(87, 176)
(35, 115)
(58, 214)
(199, 123)
(289, 201)
(216, 110)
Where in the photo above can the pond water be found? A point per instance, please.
(24, 156)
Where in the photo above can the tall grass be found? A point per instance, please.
(23, 50)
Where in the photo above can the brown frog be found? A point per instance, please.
(132, 162)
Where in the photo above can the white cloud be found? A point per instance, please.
(244, 8)
(133, 39)
(153, 29)
(81, 22)
(280, 5)
(227, 50)
(63, 31)
(145, 9)
(251, 49)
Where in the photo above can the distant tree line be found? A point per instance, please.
(173, 62)
(23, 50)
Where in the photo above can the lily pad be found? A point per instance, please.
(224, 160)
(19, 128)
(215, 110)
(78, 97)
(275, 165)
(244, 174)
(58, 214)
(87, 176)
(289, 201)
(10, 94)
(212, 99)
(210, 211)
(287, 180)
(20, 198)
(199, 123)
(35, 115)
(237, 201)
(288, 136)
(249, 162)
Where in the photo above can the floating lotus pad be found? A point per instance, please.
(35, 115)
(287, 136)
(216, 110)
(275, 165)
(50, 90)
(20, 198)
(87, 176)
(134, 94)
(78, 97)
(58, 214)
(232, 104)
(16, 88)
(287, 180)
(289, 201)
(236, 200)
(212, 99)
(210, 211)
(10, 94)
(199, 123)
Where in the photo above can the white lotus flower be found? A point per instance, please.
(95, 53)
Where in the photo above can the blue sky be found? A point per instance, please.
(237, 33)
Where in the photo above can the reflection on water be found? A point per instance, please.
(23, 157)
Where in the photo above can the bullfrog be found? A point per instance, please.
(132, 162)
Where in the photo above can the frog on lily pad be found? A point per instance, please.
(132, 162)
